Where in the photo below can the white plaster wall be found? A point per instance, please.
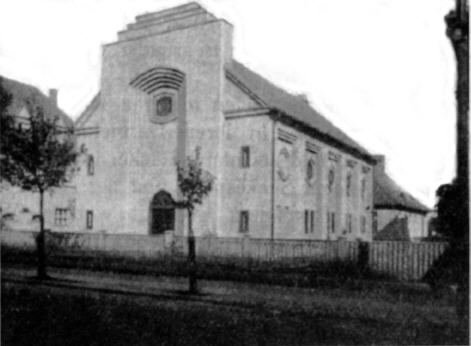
(247, 188)
(416, 222)
(294, 195)
(139, 156)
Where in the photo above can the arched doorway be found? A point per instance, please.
(162, 213)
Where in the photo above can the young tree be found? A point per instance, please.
(36, 155)
(195, 183)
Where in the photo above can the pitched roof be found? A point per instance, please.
(22, 92)
(396, 229)
(88, 111)
(387, 194)
(294, 106)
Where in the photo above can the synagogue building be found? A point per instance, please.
(170, 88)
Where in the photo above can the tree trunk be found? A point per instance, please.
(41, 240)
(193, 288)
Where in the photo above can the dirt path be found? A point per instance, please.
(253, 314)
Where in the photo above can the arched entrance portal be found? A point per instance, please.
(162, 213)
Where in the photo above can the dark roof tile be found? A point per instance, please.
(387, 194)
(292, 105)
(22, 92)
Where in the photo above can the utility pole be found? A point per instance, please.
(457, 22)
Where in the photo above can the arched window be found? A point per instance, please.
(349, 184)
(311, 171)
(163, 106)
(90, 165)
(284, 164)
(162, 213)
(331, 179)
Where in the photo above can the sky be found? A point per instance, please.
(381, 70)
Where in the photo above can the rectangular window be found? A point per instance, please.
(60, 216)
(349, 223)
(309, 217)
(313, 221)
(91, 165)
(363, 224)
(245, 157)
(375, 221)
(331, 219)
(244, 221)
(89, 220)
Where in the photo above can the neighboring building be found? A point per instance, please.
(171, 88)
(398, 215)
(20, 209)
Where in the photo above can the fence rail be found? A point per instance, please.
(404, 260)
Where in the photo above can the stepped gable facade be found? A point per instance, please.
(170, 88)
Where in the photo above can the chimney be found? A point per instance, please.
(53, 96)
(380, 162)
(303, 97)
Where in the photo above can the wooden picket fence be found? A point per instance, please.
(407, 261)
(402, 259)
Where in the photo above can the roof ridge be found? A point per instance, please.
(88, 108)
(20, 90)
(292, 105)
(382, 179)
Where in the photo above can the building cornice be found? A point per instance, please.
(246, 112)
(399, 207)
(284, 118)
(87, 131)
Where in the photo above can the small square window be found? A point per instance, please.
(244, 221)
(245, 157)
(89, 220)
(163, 106)
(61, 216)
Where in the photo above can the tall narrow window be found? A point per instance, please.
(309, 221)
(328, 222)
(331, 179)
(349, 184)
(244, 221)
(363, 189)
(245, 157)
(311, 171)
(91, 165)
(375, 221)
(89, 221)
(331, 222)
(349, 223)
(363, 224)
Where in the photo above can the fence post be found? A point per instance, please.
(363, 255)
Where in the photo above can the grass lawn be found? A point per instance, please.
(89, 308)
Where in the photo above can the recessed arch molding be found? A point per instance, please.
(158, 78)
